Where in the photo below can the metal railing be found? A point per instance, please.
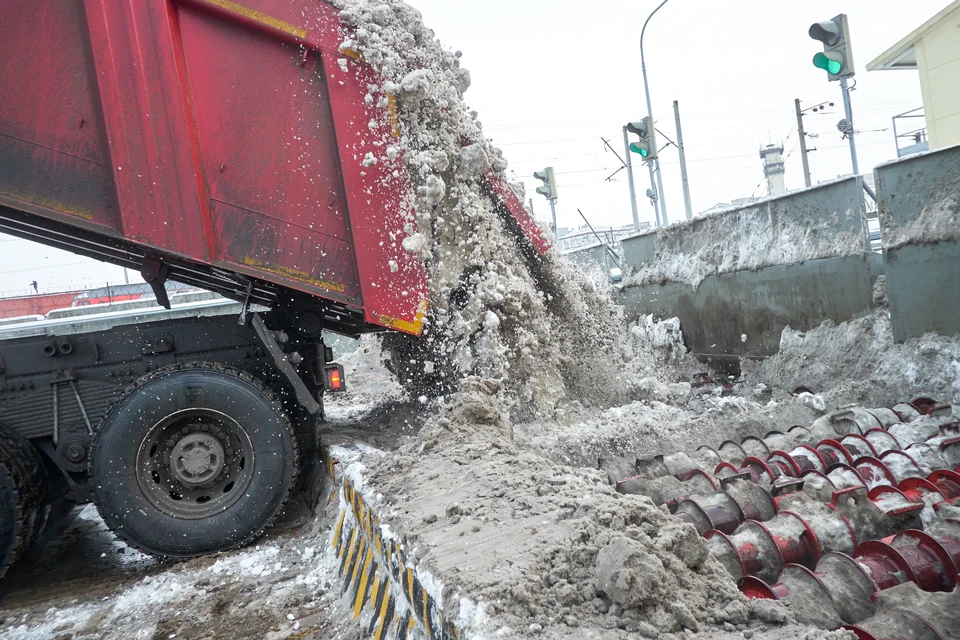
(915, 138)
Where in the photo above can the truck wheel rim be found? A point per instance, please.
(195, 463)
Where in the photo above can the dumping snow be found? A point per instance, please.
(483, 436)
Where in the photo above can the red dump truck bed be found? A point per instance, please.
(228, 145)
(221, 144)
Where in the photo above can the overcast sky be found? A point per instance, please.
(551, 78)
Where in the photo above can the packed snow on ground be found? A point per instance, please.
(284, 586)
(859, 362)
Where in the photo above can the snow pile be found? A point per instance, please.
(492, 312)
(756, 236)
(528, 547)
(859, 362)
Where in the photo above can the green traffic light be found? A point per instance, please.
(821, 61)
(636, 148)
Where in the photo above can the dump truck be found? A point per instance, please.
(222, 145)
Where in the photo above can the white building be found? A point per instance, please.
(933, 49)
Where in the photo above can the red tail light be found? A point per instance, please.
(334, 378)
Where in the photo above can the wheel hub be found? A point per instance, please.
(195, 463)
(197, 459)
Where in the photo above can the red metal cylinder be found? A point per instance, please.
(833, 452)
(857, 445)
(718, 511)
(923, 405)
(785, 462)
(916, 489)
(948, 482)
(882, 440)
(886, 565)
(700, 481)
(761, 471)
(873, 472)
(795, 540)
(901, 464)
(933, 568)
(845, 476)
(808, 458)
(892, 501)
(757, 550)
(756, 589)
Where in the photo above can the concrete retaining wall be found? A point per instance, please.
(737, 278)
(742, 314)
(919, 203)
(736, 305)
(824, 222)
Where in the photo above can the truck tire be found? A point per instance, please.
(193, 459)
(23, 497)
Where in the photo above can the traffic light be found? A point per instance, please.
(549, 188)
(647, 145)
(837, 56)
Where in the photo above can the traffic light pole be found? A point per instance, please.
(803, 144)
(848, 108)
(633, 189)
(646, 88)
(553, 213)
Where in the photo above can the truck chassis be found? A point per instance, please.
(182, 426)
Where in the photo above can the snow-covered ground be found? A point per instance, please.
(529, 490)
(86, 584)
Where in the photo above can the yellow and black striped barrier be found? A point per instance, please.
(386, 594)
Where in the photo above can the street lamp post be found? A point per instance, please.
(646, 87)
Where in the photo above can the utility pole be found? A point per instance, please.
(803, 144)
(688, 207)
(646, 88)
(633, 189)
(848, 108)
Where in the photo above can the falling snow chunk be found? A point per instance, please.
(343, 64)
(473, 160)
(417, 243)
(417, 85)
(435, 189)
